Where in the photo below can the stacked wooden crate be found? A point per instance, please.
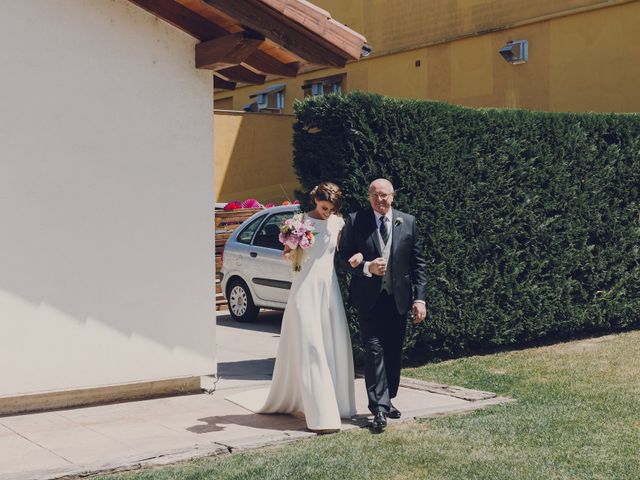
(226, 223)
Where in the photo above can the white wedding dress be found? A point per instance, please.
(313, 372)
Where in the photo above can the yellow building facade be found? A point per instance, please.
(583, 55)
(253, 156)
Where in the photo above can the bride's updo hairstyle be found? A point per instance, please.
(329, 192)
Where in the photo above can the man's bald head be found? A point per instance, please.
(381, 182)
(381, 195)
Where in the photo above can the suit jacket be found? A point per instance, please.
(408, 266)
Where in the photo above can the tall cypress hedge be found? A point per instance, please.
(530, 220)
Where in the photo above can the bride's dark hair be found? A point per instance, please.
(329, 192)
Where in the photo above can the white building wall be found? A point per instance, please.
(106, 194)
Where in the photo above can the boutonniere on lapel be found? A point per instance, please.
(398, 221)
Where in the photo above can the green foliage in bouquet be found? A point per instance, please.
(530, 221)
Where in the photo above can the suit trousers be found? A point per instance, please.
(383, 331)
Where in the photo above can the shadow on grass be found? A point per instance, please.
(491, 350)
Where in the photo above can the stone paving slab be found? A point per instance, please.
(160, 431)
(449, 390)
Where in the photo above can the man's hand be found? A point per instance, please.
(356, 260)
(378, 266)
(419, 310)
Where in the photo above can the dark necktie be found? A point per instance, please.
(384, 232)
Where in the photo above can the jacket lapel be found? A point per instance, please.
(396, 229)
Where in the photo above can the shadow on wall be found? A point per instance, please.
(253, 156)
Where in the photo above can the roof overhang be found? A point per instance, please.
(270, 89)
(252, 41)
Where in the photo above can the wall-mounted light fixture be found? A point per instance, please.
(515, 51)
(366, 51)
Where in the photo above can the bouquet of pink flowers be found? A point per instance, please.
(298, 234)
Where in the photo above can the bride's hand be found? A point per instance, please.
(356, 260)
(287, 253)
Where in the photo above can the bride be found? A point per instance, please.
(313, 372)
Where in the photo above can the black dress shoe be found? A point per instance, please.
(379, 422)
(394, 413)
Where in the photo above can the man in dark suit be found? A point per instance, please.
(381, 290)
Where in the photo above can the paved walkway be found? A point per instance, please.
(161, 431)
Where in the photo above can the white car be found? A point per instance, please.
(254, 273)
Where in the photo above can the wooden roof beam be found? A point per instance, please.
(227, 51)
(223, 84)
(279, 29)
(182, 18)
(241, 74)
(265, 63)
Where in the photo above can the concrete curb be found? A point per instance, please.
(448, 390)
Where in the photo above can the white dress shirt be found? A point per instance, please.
(386, 252)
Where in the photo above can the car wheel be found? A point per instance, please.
(241, 306)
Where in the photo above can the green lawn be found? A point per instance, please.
(577, 417)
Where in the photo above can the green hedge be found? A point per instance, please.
(530, 220)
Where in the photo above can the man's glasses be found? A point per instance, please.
(381, 196)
